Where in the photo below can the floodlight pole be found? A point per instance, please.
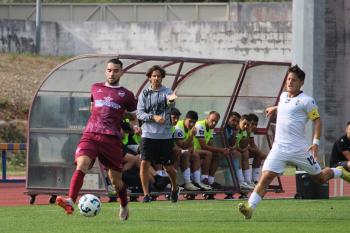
(37, 26)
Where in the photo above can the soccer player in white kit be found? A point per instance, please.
(290, 146)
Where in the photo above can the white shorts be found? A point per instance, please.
(278, 158)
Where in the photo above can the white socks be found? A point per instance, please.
(210, 179)
(187, 175)
(337, 173)
(204, 177)
(247, 176)
(159, 172)
(254, 200)
(197, 176)
(255, 174)
(240, 176)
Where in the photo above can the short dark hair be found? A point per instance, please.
(296, 70)
(175, 112)
(253, 117)
(245, 117)
(154, 68)
(236, 114)
(193, 115)
(214, 112)
(116, 61)
(125, 126)
(348, 123)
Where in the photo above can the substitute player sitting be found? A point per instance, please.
(203, 144)
(183, 135)
(341, 152)
(290, 146)
(254, 151)
(240, 151)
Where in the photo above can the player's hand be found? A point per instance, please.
(137, 130)
(232, 148)
(172, 97)
(314, 150)
(193, 131)
(270, 111)
(242, 150)
(226, 151)
(158, 119)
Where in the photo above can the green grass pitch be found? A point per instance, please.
(185, 216)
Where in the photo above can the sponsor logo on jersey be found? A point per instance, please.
(107, 102)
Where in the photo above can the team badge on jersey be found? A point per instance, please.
(180, 134)
(121, 93)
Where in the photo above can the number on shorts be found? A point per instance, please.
(311, 160)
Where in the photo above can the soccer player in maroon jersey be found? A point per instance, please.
(101, 138)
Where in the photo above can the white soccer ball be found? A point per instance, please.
(89, 205)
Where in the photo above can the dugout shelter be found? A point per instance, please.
(60, 109)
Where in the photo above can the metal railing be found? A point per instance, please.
(4, 147)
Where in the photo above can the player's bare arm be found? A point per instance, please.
(186, 143)
(209, 147)
(270, 111)
(316, 139)
(189, 141)
(346, 155)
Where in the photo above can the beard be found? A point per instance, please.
(114, 82)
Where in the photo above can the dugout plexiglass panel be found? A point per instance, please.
(61, 108)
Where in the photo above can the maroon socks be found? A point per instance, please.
(123, 196)
(75, 184)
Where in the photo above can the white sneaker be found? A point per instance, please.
(190, 187)
(251, 184)
(245, 186)
(203, 186)
(123, 213)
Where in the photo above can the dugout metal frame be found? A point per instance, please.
(59, 109)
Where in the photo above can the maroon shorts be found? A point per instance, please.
(107, 148)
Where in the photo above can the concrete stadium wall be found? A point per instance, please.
(321, 45)
(232, 40)
(257, 31)
(332, 83)
(146, 12)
